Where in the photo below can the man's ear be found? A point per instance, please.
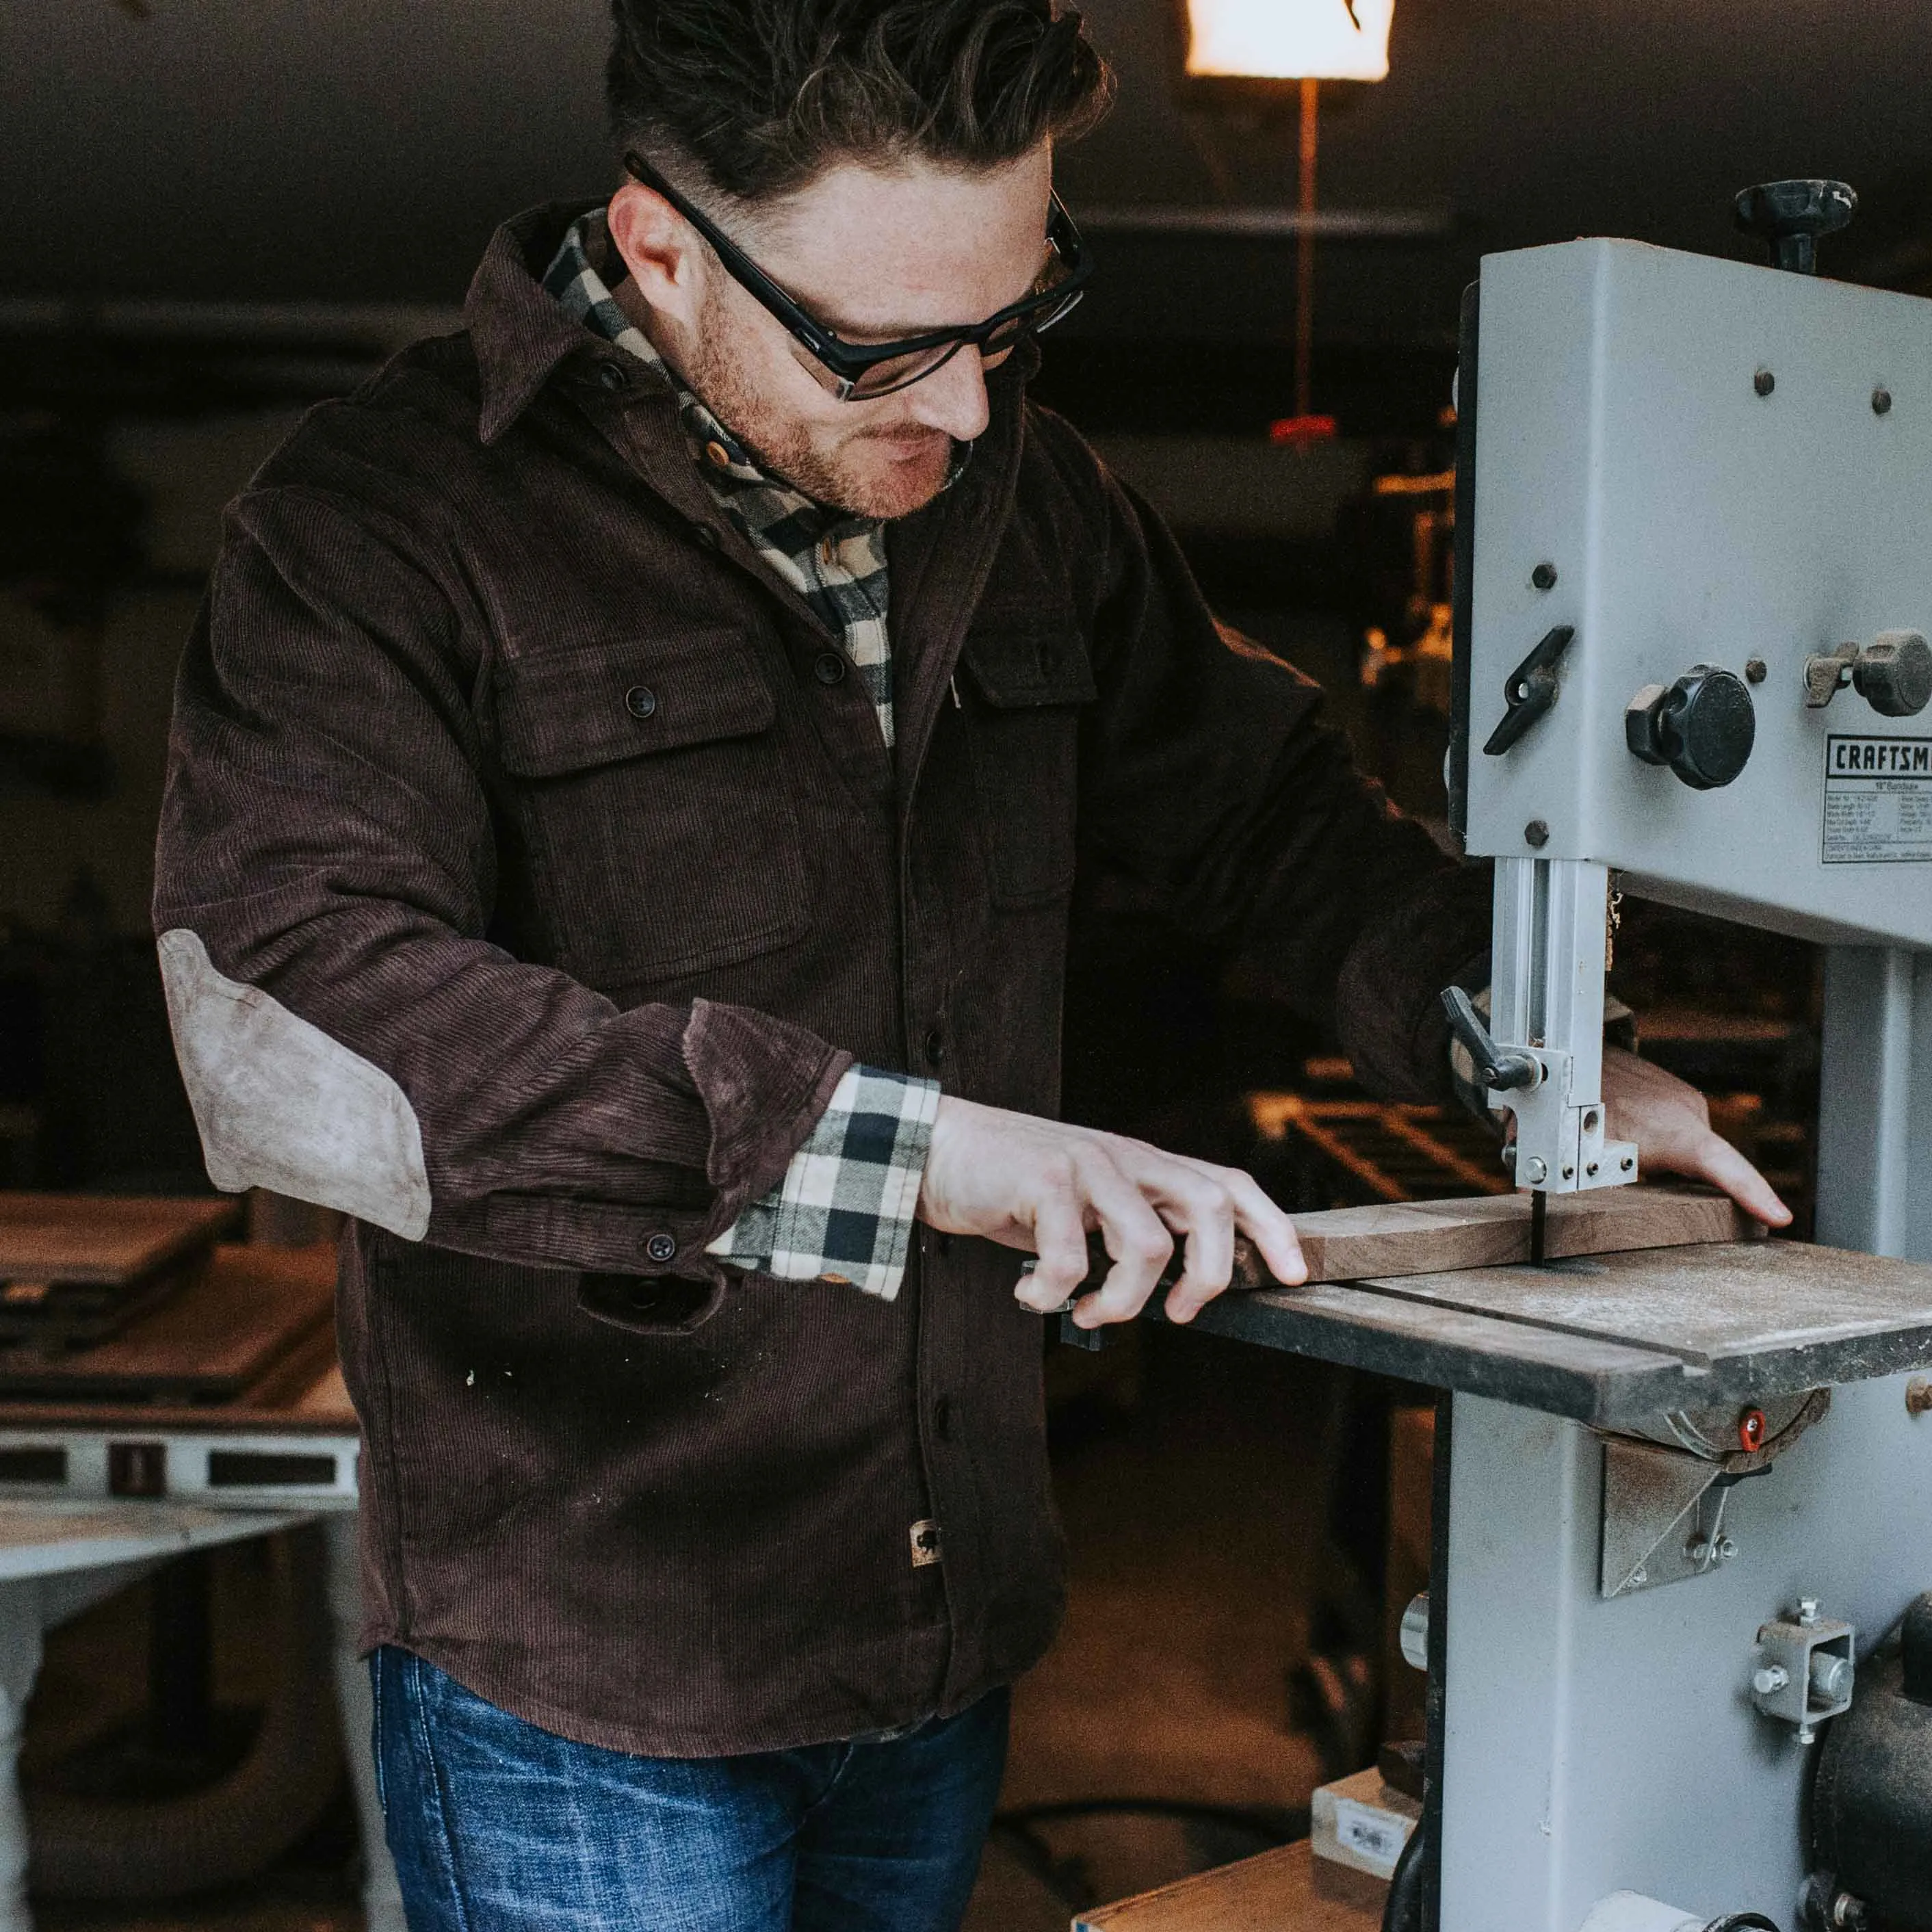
(661, 250)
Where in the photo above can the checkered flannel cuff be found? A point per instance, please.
(1619, 1029)
(844, 1212)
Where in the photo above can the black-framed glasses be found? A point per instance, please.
(856, 371)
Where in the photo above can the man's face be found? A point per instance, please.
(875, 253)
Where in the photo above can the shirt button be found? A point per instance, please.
(641, 701)
(828, 552)
(718, 457)
(611, 375)
(935, 1046)
(829, 668)
(661, 1248)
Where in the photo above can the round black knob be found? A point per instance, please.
(1894, 673)
(1790, 216)
(1702, 727)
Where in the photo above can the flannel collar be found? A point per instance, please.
(836, 561)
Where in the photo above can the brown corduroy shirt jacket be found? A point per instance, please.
(572, 974)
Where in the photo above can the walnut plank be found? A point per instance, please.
(1492, 1230)
(222, 1335)
(109, 1239)
(1276, 1892)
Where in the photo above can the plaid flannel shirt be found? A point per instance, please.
(845, 1211)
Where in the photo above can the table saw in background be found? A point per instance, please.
(163, 1391)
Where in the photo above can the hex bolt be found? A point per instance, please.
(1536, 833)
(1770, 1679)
(1764, 382)
(1639, 1577)
(1756, 670)
(1918, 1396)
(1727, 1548)
(1543, 577)
(1807, 1609)
(1535, 1171)
(1881, 402)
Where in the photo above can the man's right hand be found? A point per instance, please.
(1040, 1185)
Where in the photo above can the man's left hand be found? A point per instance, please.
(1671, 1124)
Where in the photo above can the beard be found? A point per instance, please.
(882, 471)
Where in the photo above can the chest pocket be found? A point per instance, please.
(662, 833)
(1030, 676)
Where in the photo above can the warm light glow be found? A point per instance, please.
(1290, 39)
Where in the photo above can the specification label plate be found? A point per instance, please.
(1878, 801)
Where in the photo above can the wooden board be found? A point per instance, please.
(257, 1314)
(111, 1239)
(1282, 1890)
(1492, 1230)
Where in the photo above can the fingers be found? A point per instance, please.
(1136, 1238)
(1208, 1204)
(1269, 1228)
(1060, 1242)
(1714, 1159)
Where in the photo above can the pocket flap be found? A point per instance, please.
(569, 710)
(1024, 660)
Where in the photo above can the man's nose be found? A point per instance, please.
(953, 398)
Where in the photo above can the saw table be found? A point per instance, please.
(1695, 1415)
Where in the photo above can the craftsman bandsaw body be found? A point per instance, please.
(1697, 572)
(1684, 1497)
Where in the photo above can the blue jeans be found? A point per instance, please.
(497, 1826)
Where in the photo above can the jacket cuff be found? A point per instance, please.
(764, 1084)
(845, 1210)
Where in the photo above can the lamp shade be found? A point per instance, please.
(1289, 39)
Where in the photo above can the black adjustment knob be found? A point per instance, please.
(1702, 727)
(1893, 674)
(1790, 215)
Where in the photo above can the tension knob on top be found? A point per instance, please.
(1702, 727)
(1790, 216)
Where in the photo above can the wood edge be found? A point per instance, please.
(1099, 1918)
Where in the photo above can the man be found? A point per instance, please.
(629, 783)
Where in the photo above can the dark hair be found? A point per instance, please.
(760, 96)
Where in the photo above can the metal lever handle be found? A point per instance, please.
(1530, 690)
(1500, 1070)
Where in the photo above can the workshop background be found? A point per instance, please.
(213, 214)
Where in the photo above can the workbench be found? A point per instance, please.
(1284, 1890)
(216, 1413)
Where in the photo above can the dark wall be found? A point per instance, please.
(362, 149)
